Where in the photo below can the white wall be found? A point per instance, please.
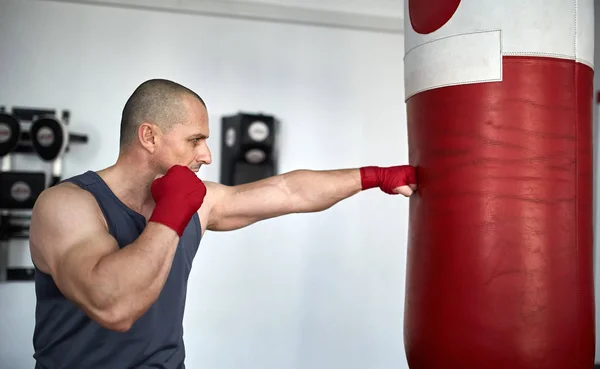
(311, 291)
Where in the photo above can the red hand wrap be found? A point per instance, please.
(178, 195)
(387, 178)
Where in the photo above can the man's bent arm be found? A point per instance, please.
(113, 286)
(299, 191)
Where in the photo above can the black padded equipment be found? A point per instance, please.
(49, 137)
(10, 133)
(248, 148)
(20, 190)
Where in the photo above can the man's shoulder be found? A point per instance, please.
(72, 187)
(63, 196)
(214, 194)
(213, 188)
(64, 189)
(62, 216)
(62, 209)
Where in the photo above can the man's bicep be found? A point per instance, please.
(74, 272)
(68, 238)
(235, 207)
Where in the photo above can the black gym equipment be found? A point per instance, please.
(10, 133)
(40, 132)
(248, 148)
(20, 190)
(48, 137)
(25, 145)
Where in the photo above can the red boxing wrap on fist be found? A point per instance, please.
(388, 178)
(178, 195)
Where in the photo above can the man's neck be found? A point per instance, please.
(130, 181)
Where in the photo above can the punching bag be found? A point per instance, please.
(499, 106)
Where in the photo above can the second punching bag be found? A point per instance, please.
(499, 105)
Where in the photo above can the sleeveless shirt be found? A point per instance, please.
(66, 338)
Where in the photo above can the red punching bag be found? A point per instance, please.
(499, 105)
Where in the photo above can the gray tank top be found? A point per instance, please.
(65, 338)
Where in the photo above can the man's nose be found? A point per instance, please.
(204, 156)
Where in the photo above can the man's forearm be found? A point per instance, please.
(313, 191)
(300, 191)
(130, 280)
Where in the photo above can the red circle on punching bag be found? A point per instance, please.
(428, 16)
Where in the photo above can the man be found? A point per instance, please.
(113, 249)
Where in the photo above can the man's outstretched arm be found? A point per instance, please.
(299, 191)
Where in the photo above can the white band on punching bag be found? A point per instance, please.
(468, 46)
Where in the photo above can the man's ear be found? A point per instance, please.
(148, 135)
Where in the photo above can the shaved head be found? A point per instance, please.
(157, 101)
